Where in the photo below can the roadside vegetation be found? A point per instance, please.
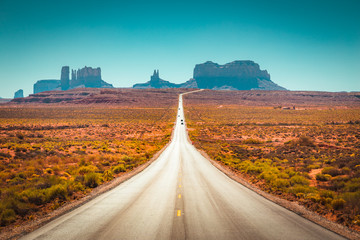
(311, 156)
(52, 155)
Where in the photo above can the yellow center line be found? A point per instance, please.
(178, 213)
(179, 196)
(179, 186)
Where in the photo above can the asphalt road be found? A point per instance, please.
(181, 196)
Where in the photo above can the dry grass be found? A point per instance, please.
(54, 154)
(311, 155)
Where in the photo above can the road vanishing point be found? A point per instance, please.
(181, 195)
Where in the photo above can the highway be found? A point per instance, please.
(181, 195)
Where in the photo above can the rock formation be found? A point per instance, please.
(19, 94)
(87, 76)
(84, 77)
(156, 82)
(64, 79)
(237, 75)
(46, 85)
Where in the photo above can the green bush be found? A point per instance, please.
(323, 177)
(267, 176)
(252, 141)
(327, 194)
(352, 199)
(107, 175)
(91, 180)
(34, 196)
(314, 197)
(280, 183)
(7, 216)
(119, 168)
(353, 185)
(331, 171)
(56, 191)
(338, 203)
(87, 169)
(298, 180)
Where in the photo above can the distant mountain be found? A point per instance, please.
(237, 75)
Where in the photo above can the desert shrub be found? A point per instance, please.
(331, 171)
(87, 169)
(323, 177)
(119, 168)
(353, 185)
(34, 196)
(74, 186)
(20, 208)
(337, 184)
(283, 175)
(302, 141)
(314, 197)
(49, 171)
(253, 169)
(268, 176)
(126, 159)
(7, 216)
(338, 203)
(252, 141)
(56, 191)
(327, 194)
(280, 183)
(20, 135)
(352, 199)
(107, 175)
(312, 166)
(298, 180)
(105, 163)
(91, 180)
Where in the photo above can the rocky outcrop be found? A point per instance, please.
(237, 75)
(84, 77)
(19, 94)
(156, 82)
(64, 79)
(87, 76)
(46, 85)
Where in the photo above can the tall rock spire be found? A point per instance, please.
(64, 79)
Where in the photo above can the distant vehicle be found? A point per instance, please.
(182, 123)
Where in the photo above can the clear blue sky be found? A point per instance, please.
(304, 45)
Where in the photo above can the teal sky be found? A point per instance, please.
(304, 45)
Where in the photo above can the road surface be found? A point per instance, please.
(181, 196)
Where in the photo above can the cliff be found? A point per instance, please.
(237, 75)
(19, 94)
(46, 85)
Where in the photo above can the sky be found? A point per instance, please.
(304, 45)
